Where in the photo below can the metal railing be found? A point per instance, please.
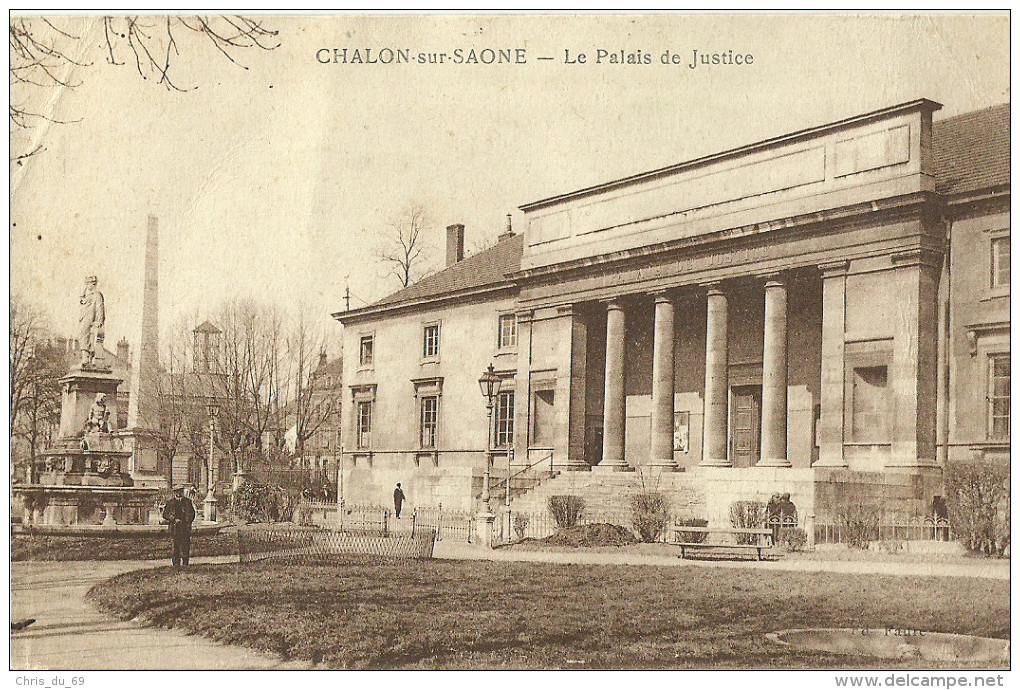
(542, 525)
(319, 546)
(452, 525)
(883, 529)
(496, 490)
(367, 518)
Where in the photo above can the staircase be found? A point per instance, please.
(521, 481)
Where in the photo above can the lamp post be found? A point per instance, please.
(210, 497)
(489, 384)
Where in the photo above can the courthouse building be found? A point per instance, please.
(825, 313)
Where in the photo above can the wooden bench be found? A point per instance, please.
(762, 541)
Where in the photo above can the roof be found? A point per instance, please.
(972, 151)
(206, 327)
(486, 268)
(333, 366)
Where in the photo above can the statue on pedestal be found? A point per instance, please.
(91, 323)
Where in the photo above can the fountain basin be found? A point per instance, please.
(198, 529)
(892, 643)
(84, 505)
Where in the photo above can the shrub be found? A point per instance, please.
(651, 515)
(859, 521)
(598, 534)
(566, 510)
(977, 496)
(747, 515)
(691, 537)
(257, 502)
(792, 538)
(891, 546)
(521, 522)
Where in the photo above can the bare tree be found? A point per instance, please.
(247, 383)
(48, 54)
(35, 367)
(176, 418)
(403, 247)
(316, 394)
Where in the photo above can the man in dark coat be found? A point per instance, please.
(179, 512)
(398, 500)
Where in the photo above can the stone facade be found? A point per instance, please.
(774, 318)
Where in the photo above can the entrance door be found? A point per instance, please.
(745, 425)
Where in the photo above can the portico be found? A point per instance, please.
(768, 307)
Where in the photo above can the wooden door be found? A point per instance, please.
(745, 425)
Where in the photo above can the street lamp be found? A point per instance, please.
(210, 497)
(489, 383)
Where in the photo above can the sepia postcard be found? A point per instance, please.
(674, 342)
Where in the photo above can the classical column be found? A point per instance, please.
(614, 413)
(716, 384)
(662, 385)
(773, 378)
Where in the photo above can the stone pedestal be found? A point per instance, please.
(484, 523)
(209, 507)
(79, 393)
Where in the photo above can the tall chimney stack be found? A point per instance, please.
(509, 232)
(454, 244)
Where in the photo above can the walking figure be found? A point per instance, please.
(179, 512)
(398, 500)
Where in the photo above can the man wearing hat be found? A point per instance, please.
(179, 512)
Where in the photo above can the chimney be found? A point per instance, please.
(509, 232)
(454, 244)
(123, 349)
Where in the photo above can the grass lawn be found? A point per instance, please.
(379, 613)
(34, 547)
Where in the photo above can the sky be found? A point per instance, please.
(276, 181)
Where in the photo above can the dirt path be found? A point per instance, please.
(69, 634)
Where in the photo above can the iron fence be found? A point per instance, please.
(452, 525)
(542, 525)
(367, 518)
(319, 546)
(883, 529)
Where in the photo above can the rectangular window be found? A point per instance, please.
(869, 420)
(504, 419)
(366, 352)
(1000, 261)
(365, 424)
(507, 331)
(430, 341)
(429, 421)
(998, 397)
(544, 408)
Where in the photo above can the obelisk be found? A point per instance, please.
(145, 367)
